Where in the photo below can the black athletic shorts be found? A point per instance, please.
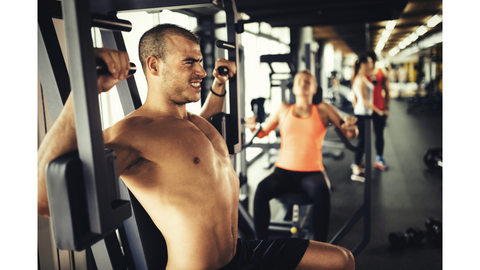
(281, 254)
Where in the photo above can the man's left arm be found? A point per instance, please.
(216, 99)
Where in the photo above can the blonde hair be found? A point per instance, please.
(309, 73)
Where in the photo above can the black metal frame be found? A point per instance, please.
(364, 210)
(235, 85)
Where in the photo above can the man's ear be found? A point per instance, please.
(153, 65)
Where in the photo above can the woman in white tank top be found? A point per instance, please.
(363, 88)
(362, 107)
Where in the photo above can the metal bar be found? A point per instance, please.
(108, 254)
(356, 250)
(234, 144)
(225, 45)
(243, 213)
(83, 77)
(104, 214)
(207, 47)
(127, 89)
(151, 5)
(266, 145)
(368, 180)
(52, 70)
(347, 227)
(110, 23)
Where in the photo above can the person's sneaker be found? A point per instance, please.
(380, 164)
(361, 166)
(358, 174)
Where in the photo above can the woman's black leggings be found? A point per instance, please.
(379, 123)
(283, 181)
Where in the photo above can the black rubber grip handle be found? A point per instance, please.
(254, 135)
(346, 142)
(102, 68)
(223, 70)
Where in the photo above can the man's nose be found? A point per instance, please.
(200, 72)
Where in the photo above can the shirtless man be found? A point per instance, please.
(176, 163)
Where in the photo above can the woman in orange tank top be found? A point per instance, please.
(299, 167)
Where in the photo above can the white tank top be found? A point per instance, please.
(360, 108)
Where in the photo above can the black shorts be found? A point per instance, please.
(281, 254)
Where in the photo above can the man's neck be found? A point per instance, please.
(158, 105)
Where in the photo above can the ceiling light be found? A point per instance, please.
(386, 33)
(434, 21)
(390, 25)
(244, 16)
(380, 46)
(413, 36)
(383, 39)
(402, 45)
(407, 41)
(421, 30)
(394, 51)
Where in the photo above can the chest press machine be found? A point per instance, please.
(88, 202)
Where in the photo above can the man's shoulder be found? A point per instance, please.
(130, 124)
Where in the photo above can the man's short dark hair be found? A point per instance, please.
(153, 42)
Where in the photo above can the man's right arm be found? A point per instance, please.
(61, 138)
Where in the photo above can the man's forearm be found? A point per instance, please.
(215, 102)
(60, 139)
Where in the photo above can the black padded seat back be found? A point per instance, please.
(143, 244)
(294, 198)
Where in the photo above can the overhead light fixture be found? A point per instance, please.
(390, 25)
(265, 28)
(402, 45)
(386, 33)
(394, 51)
(244, 16)
(421, 30)
(432, 22)
(413, 36)
(380, 46)
(407, 41)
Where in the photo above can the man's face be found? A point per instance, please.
(182, 71)
(303, 84)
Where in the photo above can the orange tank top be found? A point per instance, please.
(301, 142)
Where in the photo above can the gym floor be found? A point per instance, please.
(402, 197)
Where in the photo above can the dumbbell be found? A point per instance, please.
(434, 230)
(412, 237)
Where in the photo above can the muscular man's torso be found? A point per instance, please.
(181, 173)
